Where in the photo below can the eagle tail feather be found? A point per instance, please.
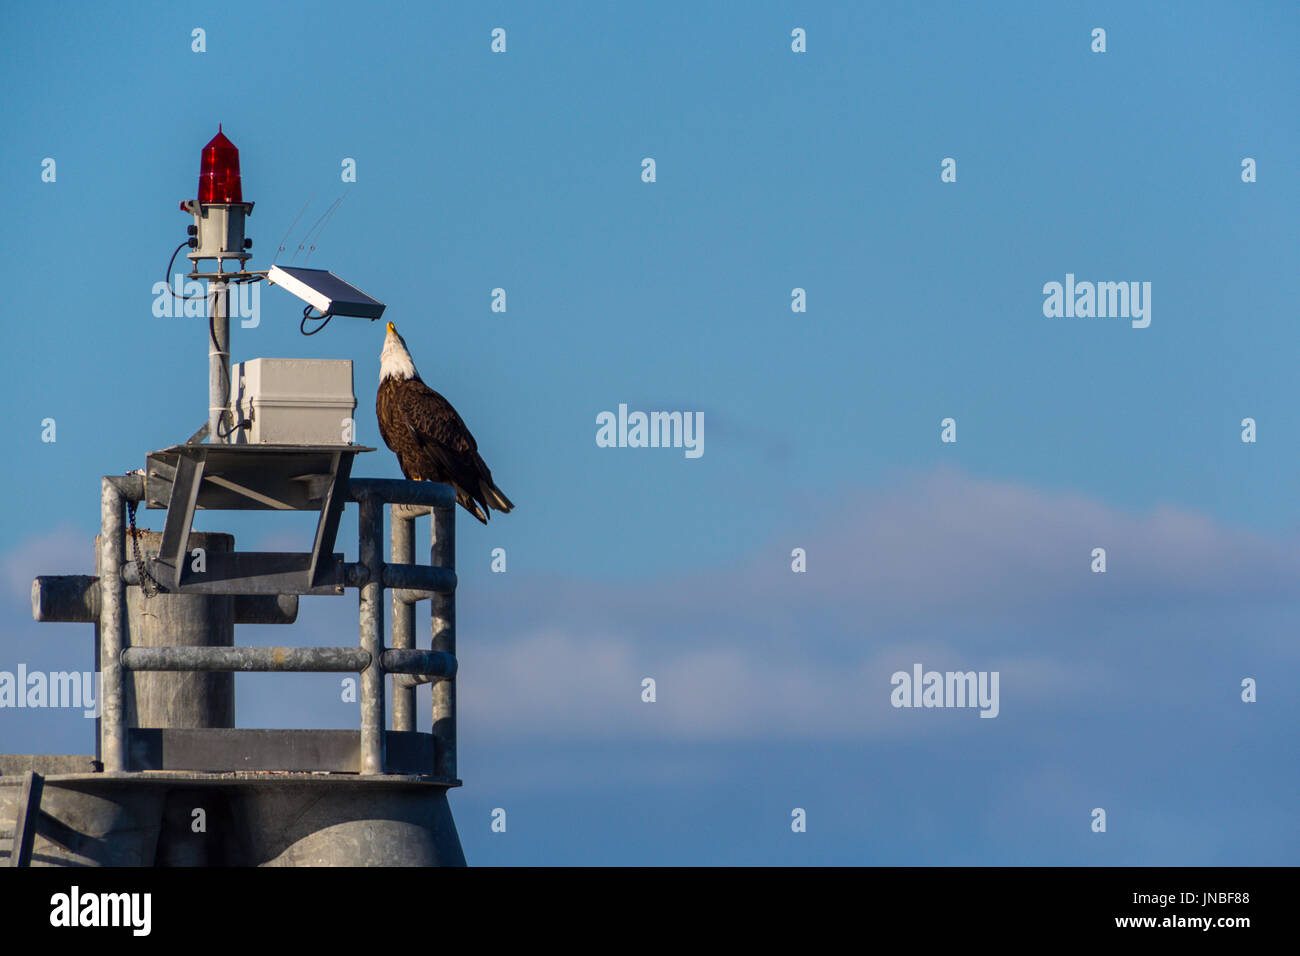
(470, 505)
(493, 496)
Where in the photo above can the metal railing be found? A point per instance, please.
(408, 582)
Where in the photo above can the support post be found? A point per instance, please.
(442, 553)
(29, 813)
(402, 551)
(370, 531)
(112, 629)
(219, 363)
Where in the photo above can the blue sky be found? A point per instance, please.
(775, 170)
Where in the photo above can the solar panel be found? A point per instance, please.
(325, 291)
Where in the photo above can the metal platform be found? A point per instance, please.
(301, 751)
(185, 478)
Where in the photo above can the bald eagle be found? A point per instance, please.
(429, 438)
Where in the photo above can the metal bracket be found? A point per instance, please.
(258, 477)
(29, 810)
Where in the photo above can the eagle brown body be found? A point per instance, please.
(428, 436)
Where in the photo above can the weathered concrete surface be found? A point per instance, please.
(97, 824)
(179, 620)
(236, 819)
(15, 765)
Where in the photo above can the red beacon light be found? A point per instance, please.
(220, 210)
(219, 171)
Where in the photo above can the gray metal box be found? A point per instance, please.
(294, 401)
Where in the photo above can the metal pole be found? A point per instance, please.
(402, 551)
(218, 362)
(112, 628)
(442, 553)
(370, 531)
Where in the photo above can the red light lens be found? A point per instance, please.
(219, 171)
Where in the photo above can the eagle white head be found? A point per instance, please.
(395, 360)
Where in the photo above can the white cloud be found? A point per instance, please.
(949, 571)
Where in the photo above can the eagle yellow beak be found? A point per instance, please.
(391, 327)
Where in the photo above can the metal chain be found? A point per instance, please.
(148, 583)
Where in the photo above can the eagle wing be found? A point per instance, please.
(433, 443)
(444, 442)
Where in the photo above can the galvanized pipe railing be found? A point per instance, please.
(433, 665)
(402, 492)
(402, 551)
(370, 528)
(442, 553)
(114, 493)
(408, 582)
(319, 660)
(419, 581)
